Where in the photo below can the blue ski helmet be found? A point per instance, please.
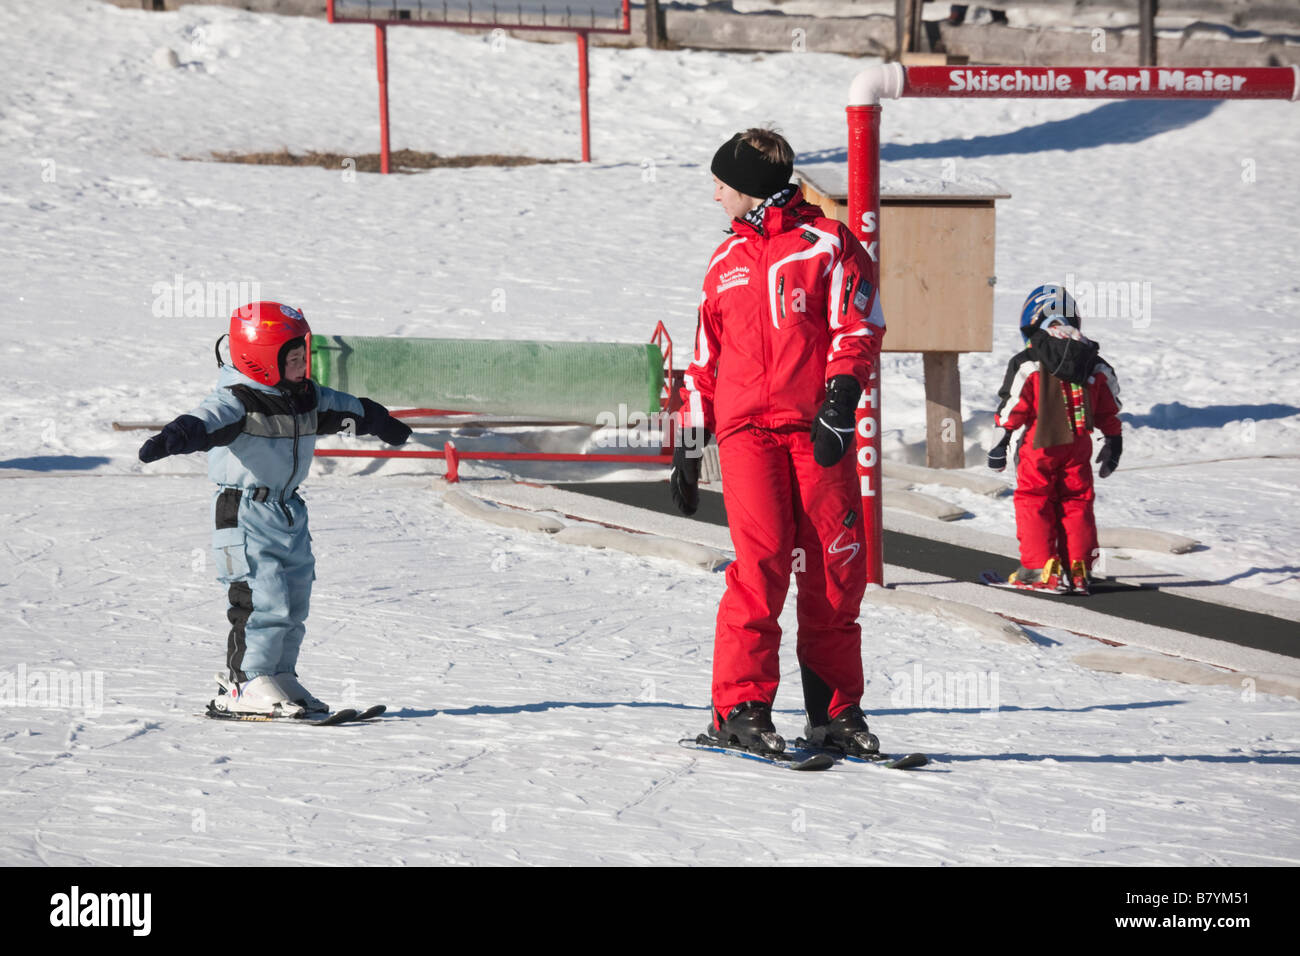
(1046, 302)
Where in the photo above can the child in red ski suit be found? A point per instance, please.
(1059, 389)
(789, 333)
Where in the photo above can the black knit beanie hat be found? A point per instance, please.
(746, 170)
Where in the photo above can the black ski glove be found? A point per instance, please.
(394, 431)
(179, 437)
(684, 482)
(382, 425)
(998, 453)
(1108, 457)
(833, 428)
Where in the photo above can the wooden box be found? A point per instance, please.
(936, 286)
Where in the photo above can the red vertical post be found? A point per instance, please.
(381, 59)
(582, 96)
(453, 462)
(864, 220)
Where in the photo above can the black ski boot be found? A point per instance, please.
(847, 731)
(749, 726)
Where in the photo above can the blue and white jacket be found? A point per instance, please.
(261, 435)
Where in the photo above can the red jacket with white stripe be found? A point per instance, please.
(784, 309)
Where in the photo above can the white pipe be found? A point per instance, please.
(878, 82)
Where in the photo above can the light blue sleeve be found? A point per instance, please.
(219, 412)
(329, 400)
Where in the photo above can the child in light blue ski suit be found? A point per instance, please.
(259, 427)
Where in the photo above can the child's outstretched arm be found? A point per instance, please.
(339, 411)
(218, 421)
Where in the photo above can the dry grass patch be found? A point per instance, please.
(400, 160)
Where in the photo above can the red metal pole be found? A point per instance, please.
(864, 220)
(582, 96)
(381, 58)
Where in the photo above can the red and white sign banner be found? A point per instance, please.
(1126, 82)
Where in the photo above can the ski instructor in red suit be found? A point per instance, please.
(789, 333)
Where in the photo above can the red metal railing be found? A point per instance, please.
(381, 55)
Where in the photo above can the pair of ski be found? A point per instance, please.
(348, 715)
(995, 580)
(804, 755)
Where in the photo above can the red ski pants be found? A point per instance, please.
(789, 514)
(1054, 496)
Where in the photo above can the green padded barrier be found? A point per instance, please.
(564, 381)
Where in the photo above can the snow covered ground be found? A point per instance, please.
(538, 690)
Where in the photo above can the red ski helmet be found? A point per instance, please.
(258, 333)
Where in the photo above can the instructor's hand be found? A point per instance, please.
(832, 429)
(685, 478)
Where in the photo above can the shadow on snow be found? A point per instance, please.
(1176, 415)
(56, 463)
(1117, 123)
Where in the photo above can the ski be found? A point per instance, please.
(344, 716)
(786, 760)
(995, 580)
(888, 761)
(347, 715)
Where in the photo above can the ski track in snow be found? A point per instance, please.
(537, 691)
